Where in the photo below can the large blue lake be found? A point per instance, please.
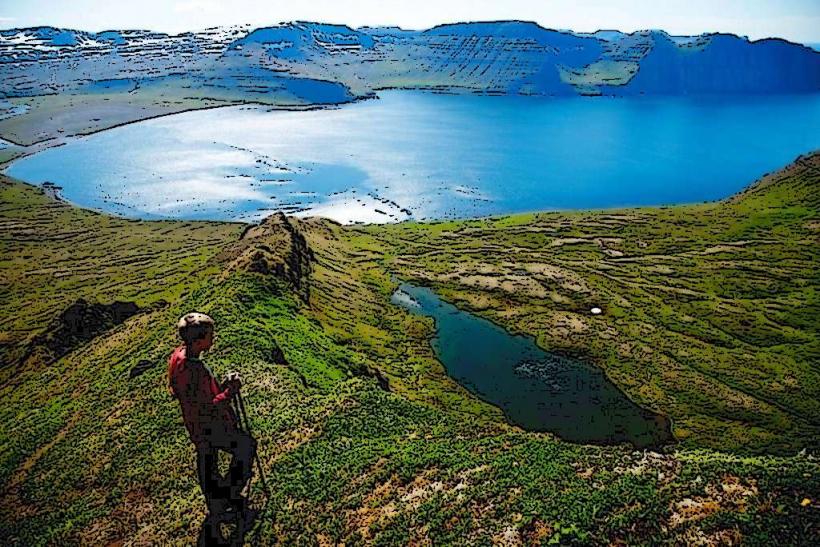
(423, 155)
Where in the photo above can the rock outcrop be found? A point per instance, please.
(274, 247)
(81, 322)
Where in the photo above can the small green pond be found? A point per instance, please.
(537, 390)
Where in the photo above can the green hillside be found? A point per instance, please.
(710, 317)
(711, 312)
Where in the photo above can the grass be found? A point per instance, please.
(710, 311)
(54, 254)
(364, 437)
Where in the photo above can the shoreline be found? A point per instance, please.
(21, 152)
(53, 192)
(26, 150)
(53, 142)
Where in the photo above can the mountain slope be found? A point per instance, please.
(723, 64)
(364, 437)
(501, 57)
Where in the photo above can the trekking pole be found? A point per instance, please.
(240, 403)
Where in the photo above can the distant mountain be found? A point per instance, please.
(296, 38)
(335, 63)
(42, 60)
(46, 43)
(723, 63)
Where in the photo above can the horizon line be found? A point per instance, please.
(402, 29)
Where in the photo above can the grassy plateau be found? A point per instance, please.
(710, 317)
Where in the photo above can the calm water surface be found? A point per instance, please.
(537, 390)
(431, 156)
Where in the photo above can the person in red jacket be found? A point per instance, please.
(209, 418)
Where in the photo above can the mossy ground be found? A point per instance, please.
(89, 455)
(710, 312)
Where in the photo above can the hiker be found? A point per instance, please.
(209, 418)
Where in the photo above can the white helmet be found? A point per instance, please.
(193, 326)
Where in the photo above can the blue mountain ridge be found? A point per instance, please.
(320, 62)
(723, 63)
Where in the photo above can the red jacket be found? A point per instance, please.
(206, 407)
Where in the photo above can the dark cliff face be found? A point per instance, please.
(317, 63)
(81, 322)
(723, 64)
(504, 57)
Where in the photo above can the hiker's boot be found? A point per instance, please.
(245, 513)
(238, 503)
(221, 510)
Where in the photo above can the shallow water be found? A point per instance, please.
(537, 390)
(431, 156)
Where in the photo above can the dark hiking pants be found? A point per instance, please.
(242, 448)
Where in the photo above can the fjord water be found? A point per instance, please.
(431, 156)
(536, 390)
